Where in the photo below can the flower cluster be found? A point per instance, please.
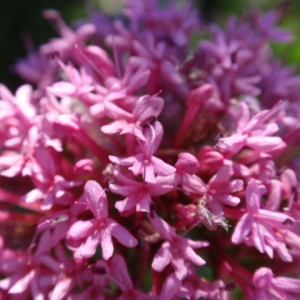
(138, 165)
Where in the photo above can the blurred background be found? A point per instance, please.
(22, 19)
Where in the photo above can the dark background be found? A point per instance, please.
(21, 18)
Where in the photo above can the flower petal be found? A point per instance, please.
(162, 258)
(96, 199)
(242, 229)
(122, 235)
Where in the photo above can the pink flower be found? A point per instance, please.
(187, 166)
(179, 138)
(146, 110)
(117, 272)
(69, 38)
(220, 188)
(175, 22)
(171, 288)
(115, 96)
(254, 132)
(145, 163)
(259, 227)
(31, 274)
(138, 194)
(175, 250)
(87, 235)
(268, 285)
(16, 116)
(78, 84)
(266, 23)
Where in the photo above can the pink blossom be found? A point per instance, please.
(78, 84)
(252, 132)
(117, 271)
(87, 235)
(146, 110)
(139, 194)
(266, 23)
(31, 274)
(145, 163)
(259, 227)
(175, 250)
(135, 145)
(220, 188)
(280, 287)
(69, 38)
(187, 166)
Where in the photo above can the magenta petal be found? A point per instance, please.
(191, 255)
(162, 258)
(273, 217)
(88, 248)
(170, 73)
(287, 284)
(113, 110)
(233, 143)
(119, 272)
(262, 277)
(180, 267)
(283, 253)
(170, 288)
(153, 135)
(266, 130)
(126, 204)
(289, 180)
(80, 229)
(223, 175)
(43, 245)
(197, 244)
(187, 163)
(106, 244)
(129, 161)
(22, 284)
(146, 170)
(97, 110)
(138, 80)
(36, 287)
(33, 196)
(263, 143)
(66, 124)
(229, 200)
(116, 126)
(6, 283)
(122, 235)
(236, 185)
(99, 58)
(62, 288)
(96, 199)
(147, 108)
(144, 203)
(62, 89)
(244, 114)
(161, 168)
(258, 238)
(193, 184)
(163, 228)
(50, 262)
(129, 188)
(242, 229)
(253, 196)
(163, 185)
